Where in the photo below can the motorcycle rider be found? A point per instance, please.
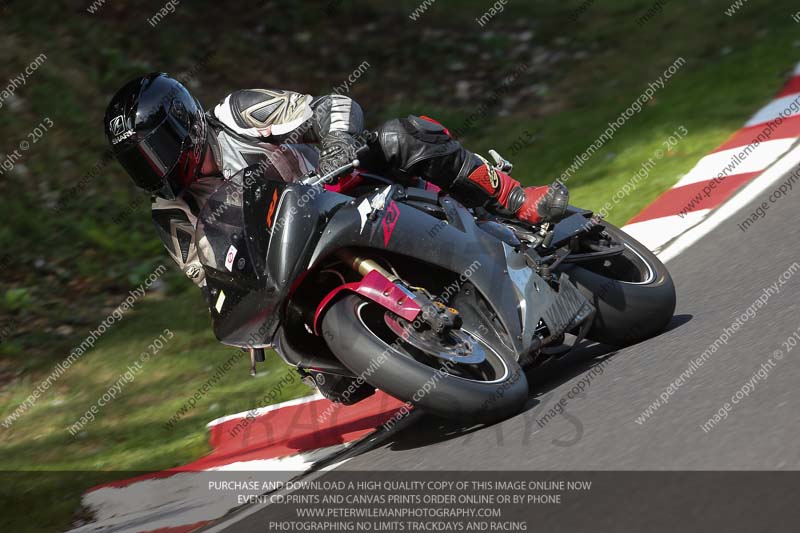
(178, 153)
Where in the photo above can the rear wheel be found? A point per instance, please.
(457, 374)
(633, 292)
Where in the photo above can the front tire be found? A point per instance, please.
(352, 328)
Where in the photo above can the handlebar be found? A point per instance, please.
(314, 179)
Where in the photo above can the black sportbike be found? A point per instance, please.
(408, 291)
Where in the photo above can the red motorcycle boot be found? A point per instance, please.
(534, 205)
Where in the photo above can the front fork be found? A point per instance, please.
(364, 265)
(434, 314)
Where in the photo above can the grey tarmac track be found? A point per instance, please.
(716, 280)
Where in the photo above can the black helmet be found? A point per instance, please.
(157, 131)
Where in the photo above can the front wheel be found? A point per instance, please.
(633, 293)
(457, 375)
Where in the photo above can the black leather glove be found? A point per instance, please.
(338, 149)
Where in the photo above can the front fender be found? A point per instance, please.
(380, 290)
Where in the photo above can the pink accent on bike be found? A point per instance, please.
(380, 290)
(389, 221)
(431, 187)
(345, 183)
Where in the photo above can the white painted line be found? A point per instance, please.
(789, 105)
(741, 200)
(656, 232)
(756, 160)
(267, 409)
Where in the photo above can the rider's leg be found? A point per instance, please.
(414, 146)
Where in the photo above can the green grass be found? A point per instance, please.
(69, 270)
(730, 73)
(710, 96)
(127, 435)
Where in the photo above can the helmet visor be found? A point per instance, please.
(152, 160)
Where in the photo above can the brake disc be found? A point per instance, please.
(453, 345)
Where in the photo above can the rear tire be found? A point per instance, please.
(393, 368)
(634, 298)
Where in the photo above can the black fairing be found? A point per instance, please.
(455, 246)
(258, 238)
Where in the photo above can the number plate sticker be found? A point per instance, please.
(230, 257)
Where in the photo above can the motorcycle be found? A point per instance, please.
(406, 289)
